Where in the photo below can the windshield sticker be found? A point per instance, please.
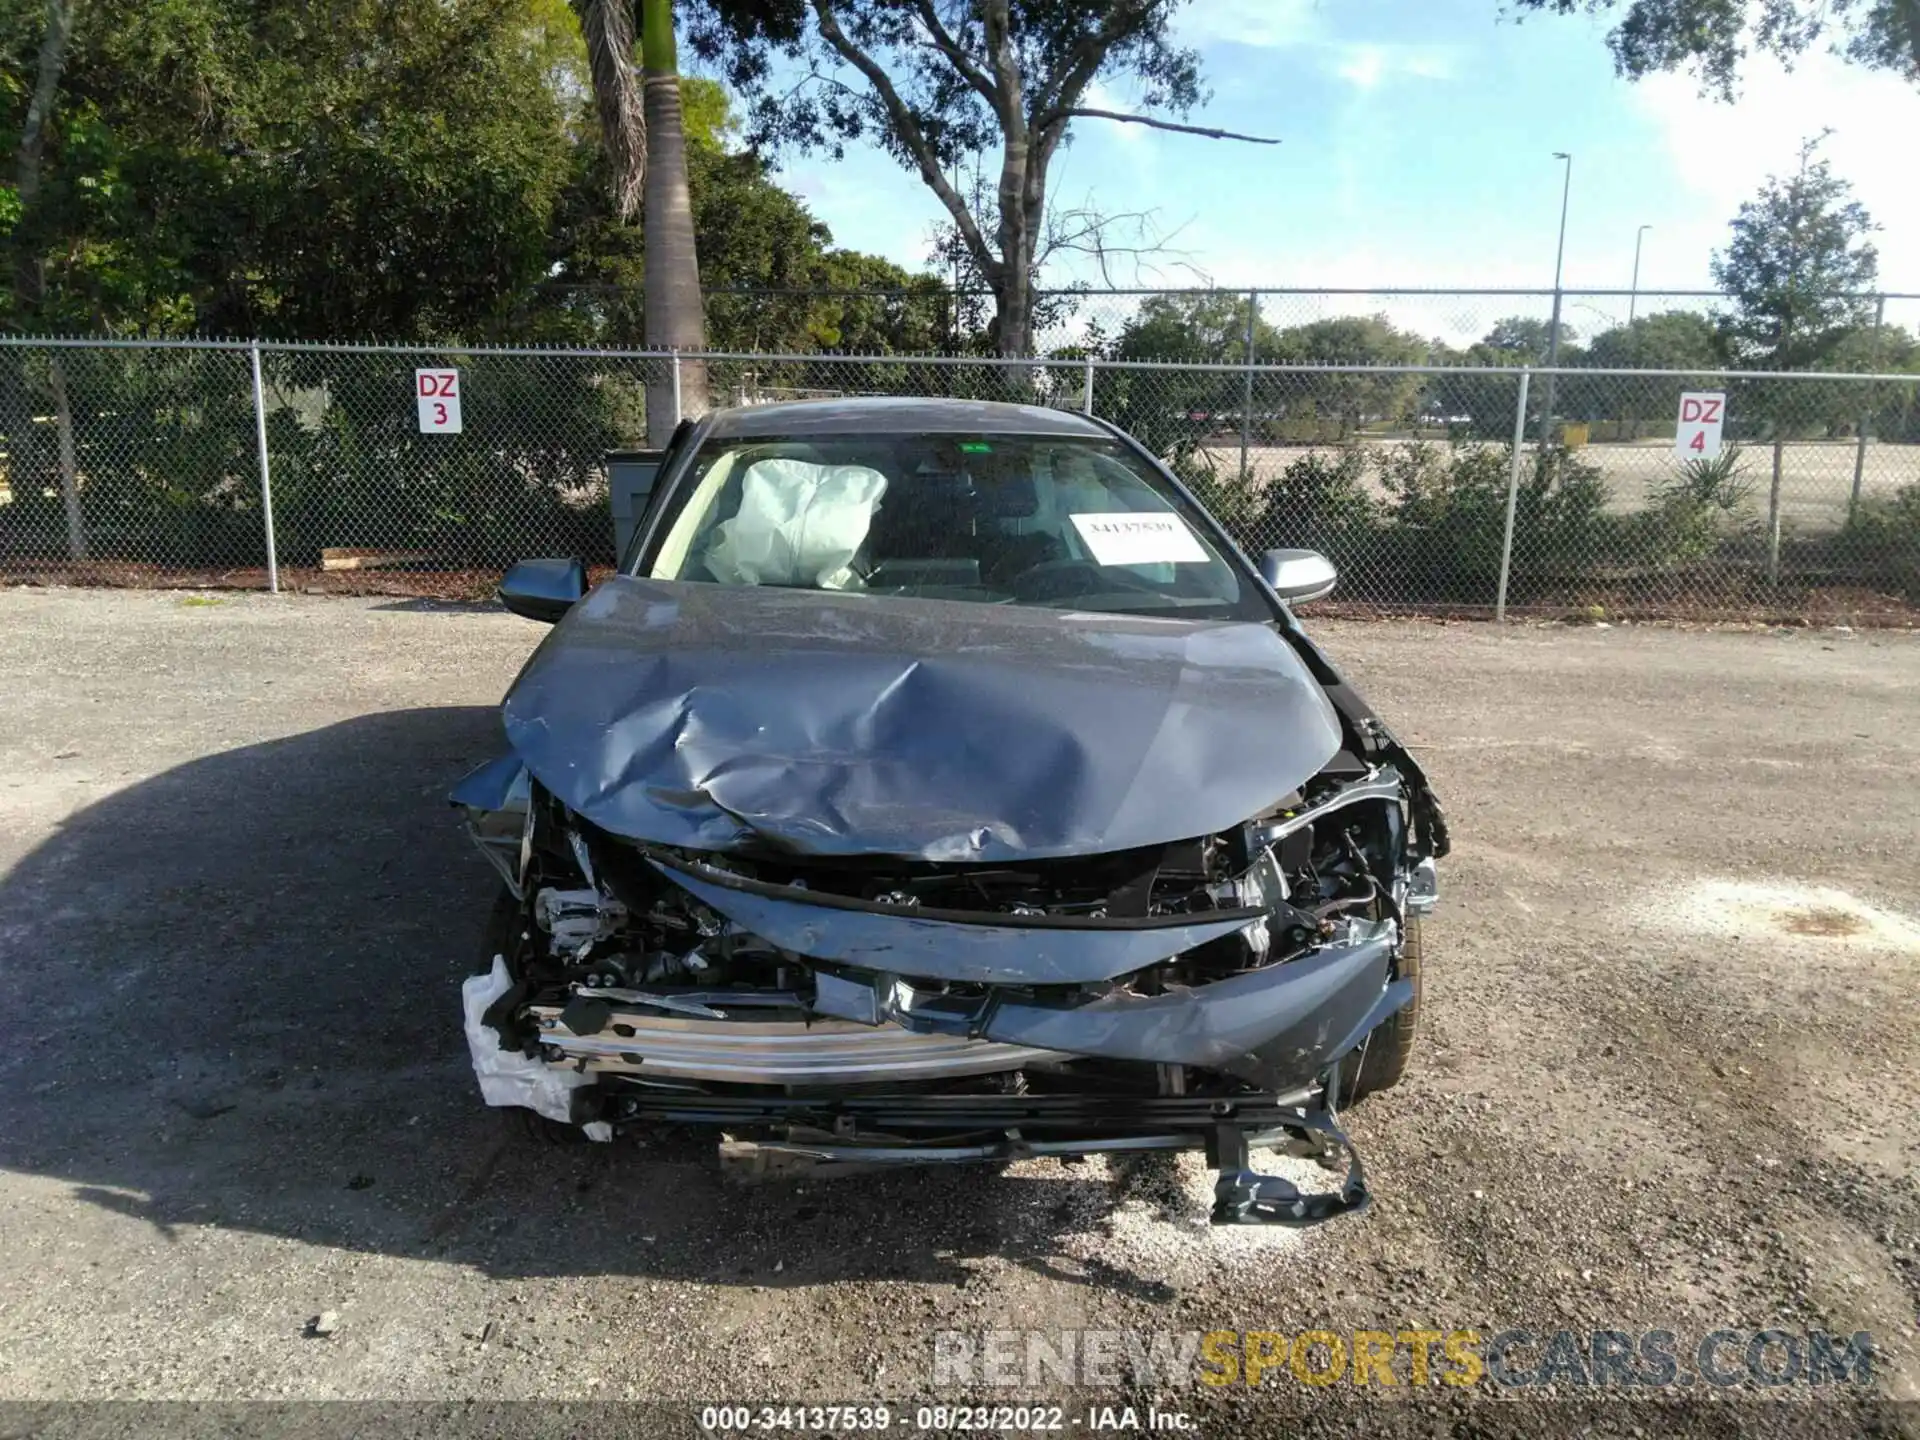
(1131, 538)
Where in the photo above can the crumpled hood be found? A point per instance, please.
(717, 717)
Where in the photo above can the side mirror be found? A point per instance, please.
(543, 590)
(1298, 575)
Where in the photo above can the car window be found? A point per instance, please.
(999, 519)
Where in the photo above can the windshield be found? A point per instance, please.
(1002, 519)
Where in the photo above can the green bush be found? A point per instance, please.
(1881, 541)
(1692, 511)
(1448, 506)
(1321, 502)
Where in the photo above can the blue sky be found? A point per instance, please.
(1418, 139)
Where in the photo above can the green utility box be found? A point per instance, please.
(630, 477)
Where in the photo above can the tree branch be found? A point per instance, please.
(1082, 63)
(912, 137)
(944, 42)
(1207, 130)
(997, 20)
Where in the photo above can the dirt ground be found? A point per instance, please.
(1669, 1078)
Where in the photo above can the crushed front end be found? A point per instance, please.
(847, 1011)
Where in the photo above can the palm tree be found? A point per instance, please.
(608, 27)
(675, 318)
(645, 141)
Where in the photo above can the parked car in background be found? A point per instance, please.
(936, 782)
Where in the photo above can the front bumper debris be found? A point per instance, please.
(1243, 1196)
(832, 1027)
(865, 1134)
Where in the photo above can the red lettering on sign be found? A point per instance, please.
(1690, 411)
(1698, 442)
(445, 383)
(1712, 413)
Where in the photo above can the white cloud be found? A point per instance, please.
(1261, 24)
(1364, 66)
(1101, 96)
(1722, 154)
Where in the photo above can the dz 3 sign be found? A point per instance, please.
(438, 392)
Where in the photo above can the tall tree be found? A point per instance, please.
(941, 81)
(1711, 38)
(646, 153)
(753, 237)
(276, 168)
(1796, 271)
(607, 26)
(1797, 268)
(675, 317)
(55, 36)
(1351, 398)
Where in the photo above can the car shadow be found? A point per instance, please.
(235, 995)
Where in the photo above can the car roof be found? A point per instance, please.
(890, 414)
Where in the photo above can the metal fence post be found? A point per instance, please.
(1086, 388)
(1866, 416)
(1246, 389)
(1513, 495)
(266, 471)
(677, 410)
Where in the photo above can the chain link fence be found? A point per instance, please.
(150, 463)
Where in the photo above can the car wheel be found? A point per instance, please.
(503, 932)
(1382, 1059)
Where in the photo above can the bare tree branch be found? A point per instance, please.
(1087, 230)
(907, 126)
(957, 57)
(1207, 130)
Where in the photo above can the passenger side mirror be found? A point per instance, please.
(543, 590)
(1298, 575)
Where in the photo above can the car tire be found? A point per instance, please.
(1381, 1061)
(503, 932)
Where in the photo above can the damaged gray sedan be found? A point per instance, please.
(936, 782)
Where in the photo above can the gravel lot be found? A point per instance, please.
(1669, 1078)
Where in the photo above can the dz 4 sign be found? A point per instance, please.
(1702, 414)
(438, 392)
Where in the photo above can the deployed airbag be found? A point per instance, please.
(798, 524)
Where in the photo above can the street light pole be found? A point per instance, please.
(1553, 329)
(1633, 294)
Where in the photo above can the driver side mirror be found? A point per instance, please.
(543, 590)
(1298, 575)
